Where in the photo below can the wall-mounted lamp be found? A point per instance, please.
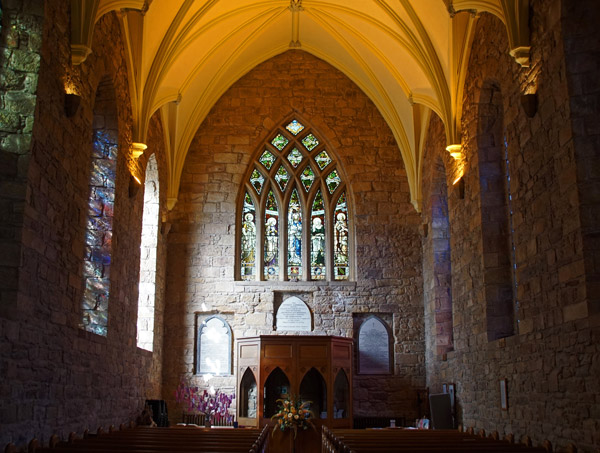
(134, 185)
(455, 151)
(529, 102)
(72, 101)
(137, 149)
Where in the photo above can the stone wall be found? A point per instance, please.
(19, 65)
(201, 260)
(57, 378)
(552, 359)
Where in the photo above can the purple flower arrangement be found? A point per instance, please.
(214, 404)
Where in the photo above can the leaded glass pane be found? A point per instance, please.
(340, 239)
(307, 177)
(295, 157)
(248, 239)
(323, 159)
(267, 159)
(310, 142)
(279, 142)
(282, 177)
(333, 181)
(257, 180)
(294, 237)
(294, 127)
(271, 269)
(317, 238)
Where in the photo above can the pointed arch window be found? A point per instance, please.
(294, 219)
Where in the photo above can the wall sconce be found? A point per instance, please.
(455, 151)
(72, 101)
(529, 102)
(134, 185)
(137, 149)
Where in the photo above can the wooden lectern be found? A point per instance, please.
(314, 368)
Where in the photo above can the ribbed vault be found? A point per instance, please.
(408, 56)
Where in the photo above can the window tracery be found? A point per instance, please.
(294, 210)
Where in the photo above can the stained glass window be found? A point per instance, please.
(257, 180)
(307, 177)
(340, 239)
(267, 159)
(295, 157)
(98, 235)
(282, 177)
(317, 238)
(279, 142)
(294, 237)
(304, 234)
(333, 181)
(323, 159)
(271, 270)
(294, 127)
(310, 142)
(248, 239)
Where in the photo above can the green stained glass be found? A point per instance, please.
(340, 239)
(294, 127)
(248, 261)
(317, 238)
(307, 177)
(279, 142)
(282, 177)
(257, 180)
(271, 248)
(294, 237)
(323, 159)
(310, 142)
(267, 159)
(295, 157)
(333, 181)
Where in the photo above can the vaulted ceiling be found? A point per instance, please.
(408, 56)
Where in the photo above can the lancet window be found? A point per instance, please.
(294, 217)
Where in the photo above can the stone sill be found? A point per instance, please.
(296, 286)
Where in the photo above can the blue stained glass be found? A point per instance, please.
(294, 237)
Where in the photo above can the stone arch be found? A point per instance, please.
(495, 216)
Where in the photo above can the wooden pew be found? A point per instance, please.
(418, 441)
(176, 440)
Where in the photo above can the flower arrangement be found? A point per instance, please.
(214, 404)
(292, 414)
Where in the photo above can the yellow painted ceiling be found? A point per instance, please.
(408, 56)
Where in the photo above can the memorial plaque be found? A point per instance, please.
(294, 316)
(215, 347)
(373, 347)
